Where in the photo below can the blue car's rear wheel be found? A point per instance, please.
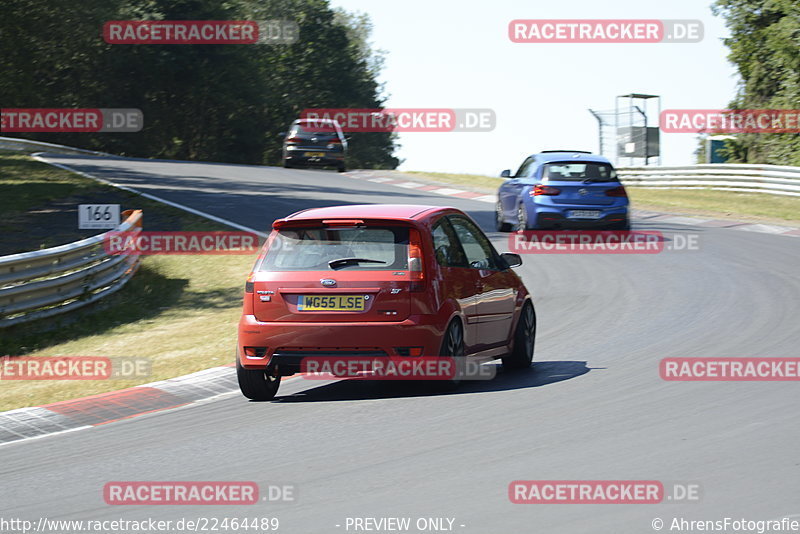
(499, 224)
(522, 218)
(624, 225)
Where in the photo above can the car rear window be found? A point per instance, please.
(314, 128)
(575, 171)
(312, 249)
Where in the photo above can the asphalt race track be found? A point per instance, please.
(592, 407)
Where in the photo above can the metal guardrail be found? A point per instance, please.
(773, 179)
(13, 143)
(43, 283)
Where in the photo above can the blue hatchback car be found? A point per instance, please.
(562, 189)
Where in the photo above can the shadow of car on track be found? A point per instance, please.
(541, 374)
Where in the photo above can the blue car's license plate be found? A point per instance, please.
(584, 214)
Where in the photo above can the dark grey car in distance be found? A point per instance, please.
(315, 142)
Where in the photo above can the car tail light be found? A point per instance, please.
(616, 192)
(342, 223)
(409, 351)
(415, 266)
(544, 190)
(247, 300)
(293, 139)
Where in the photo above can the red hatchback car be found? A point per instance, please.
(397, 281)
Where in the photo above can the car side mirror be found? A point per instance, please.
(513, 260)
(506, 174)
(282, 134)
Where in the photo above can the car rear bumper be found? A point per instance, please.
(557, 216)
(285, 344)
(555, 220)
(328, 158)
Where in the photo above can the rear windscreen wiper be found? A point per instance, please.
(344, 262)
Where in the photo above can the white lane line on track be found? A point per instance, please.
(682, 220)
(40, 436)
(765, 228)
(448, 191)
(445, 191)
(212, 398)
(207, 400)
(153, 197)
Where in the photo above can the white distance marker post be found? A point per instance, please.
(98, 216)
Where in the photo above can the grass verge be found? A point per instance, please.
(180, 312)
(722, 204)
(697, 201)
(39, 206)
(488, 183)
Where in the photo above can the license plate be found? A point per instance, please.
(584, 214)
(315, 154)
(330, 303)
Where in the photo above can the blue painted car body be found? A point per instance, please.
(562, 189)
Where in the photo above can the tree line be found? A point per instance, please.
(764, 46)
(208, 102)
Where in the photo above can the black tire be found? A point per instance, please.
(287, 165)
(453, 347)
(341, 168)
(521, 356)
(499, 225)
(522, 218)
(623, 226)
(256, 384)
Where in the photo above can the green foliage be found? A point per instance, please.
(700, 153)
(201, 102)
(765, 47)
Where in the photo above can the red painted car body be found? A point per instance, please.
(424, 283)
